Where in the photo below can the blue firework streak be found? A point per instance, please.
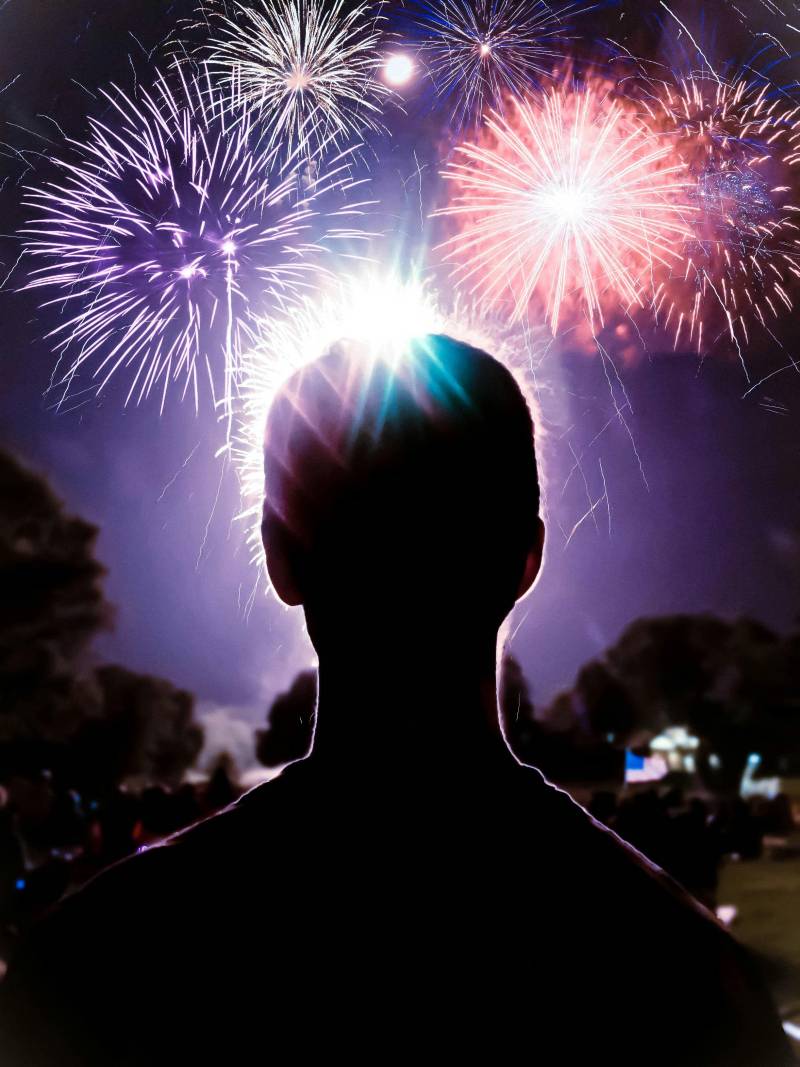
(160, 229)
(479, 52)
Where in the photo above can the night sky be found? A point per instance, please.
(711, 521)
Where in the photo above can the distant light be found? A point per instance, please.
(486, 49)
(228, 247)
(188, 272)
(726, 913)
(398, 69)
(644, 768)
(19, 884)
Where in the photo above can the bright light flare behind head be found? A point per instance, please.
(380, 315)
(571, 203)
(398, 69)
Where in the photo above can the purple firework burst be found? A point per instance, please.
(165, 225)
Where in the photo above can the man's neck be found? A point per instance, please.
(416, 712)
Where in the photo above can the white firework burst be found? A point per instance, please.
(309, 68)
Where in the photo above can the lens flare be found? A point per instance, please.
(381, 314)
(571, 204)
(162, 229)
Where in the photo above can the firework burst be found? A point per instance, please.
(572, 203)
(160, 230)
(309, 68)
(481, 52)
(740, 141)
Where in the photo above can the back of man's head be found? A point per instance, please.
(392, 483)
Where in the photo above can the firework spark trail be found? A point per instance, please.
(588, 514)
(605, 493)
(10, 82)
(310, 69)
(210, 519)
(606, 360)
(162, 227)
(685, 29)
(177, 474)
(479, 52)
(571, 203)
(585, 481)
(740, 141)
(792, 365)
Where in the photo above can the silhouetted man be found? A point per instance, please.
(408, 892)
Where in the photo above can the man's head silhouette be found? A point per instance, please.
(402, 489)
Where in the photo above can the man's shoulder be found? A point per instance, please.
(141, 932)
(622, 889)
(655, 944)
(139, 895)
(583, 844)
(178, 920)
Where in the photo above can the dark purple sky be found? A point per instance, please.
(716, 529)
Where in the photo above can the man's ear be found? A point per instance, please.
(533, 561)
(282, 552)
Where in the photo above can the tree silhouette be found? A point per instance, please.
(145, 730)
(290, 723)
(92, 728)
(558, 743)
(51, 608)
(735, 685)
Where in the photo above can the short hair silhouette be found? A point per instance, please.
(395, 476)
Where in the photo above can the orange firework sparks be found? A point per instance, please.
(740, 141)
(571, 203)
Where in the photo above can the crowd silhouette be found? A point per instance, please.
(52, 840)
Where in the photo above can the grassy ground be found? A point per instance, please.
(767, 895)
